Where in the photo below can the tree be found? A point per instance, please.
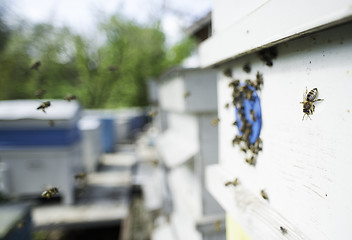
(113, 74)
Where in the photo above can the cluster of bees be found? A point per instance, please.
(239, 94)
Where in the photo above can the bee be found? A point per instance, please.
(234, 183)
(81, 176)
(247, 68)
(228, 72)
(251, 161)
(267, 56)
(243, 149)
(264, 195)
(308, 102)
(217, 226)
(50, 192)
(40, 93)
(35, 66)
(70, 97)
(227, 105)
(283, 230)
(236, 140)
(235, 123)
(248, 83)
(187, 94)
(259, 79)
(51, 123)
(44, 105)
(112, 68)
(234, 83)
(153, 113)
(253, 115)
(215, 122)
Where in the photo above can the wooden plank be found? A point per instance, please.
(268, 23)
(305, 165)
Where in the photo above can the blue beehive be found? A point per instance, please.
(108, 134)
(40, 148)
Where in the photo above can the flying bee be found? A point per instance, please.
(215, 122)
(227, 105)
(217, 226)
(50, 192)
(235, 123)
(283, 230)
(308, 102)
(35, 66)
(112, 68)
(153, 113)
(40, 93)
(44, 105)
(81, 176)
(187, 94)
(264, 195)
(70, 97)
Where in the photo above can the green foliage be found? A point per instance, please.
(111, 75)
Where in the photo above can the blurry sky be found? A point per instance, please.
(81, 15)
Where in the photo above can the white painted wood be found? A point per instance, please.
(244, 26)
(305, 165)
(91, 146)
(31, 171)
(199, 85)
(180, 142)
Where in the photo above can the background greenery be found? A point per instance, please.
(109, 75)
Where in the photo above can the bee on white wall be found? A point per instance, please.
(264, 195)
(283, 230)
(308, 102)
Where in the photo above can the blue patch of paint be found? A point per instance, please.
(248, 105)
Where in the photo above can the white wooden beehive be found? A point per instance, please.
(304, 165)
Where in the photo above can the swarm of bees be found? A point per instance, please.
(239, 94)
(308, 102)
(50, 192)
(267, 55)
(233, 183)
(44, 105)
